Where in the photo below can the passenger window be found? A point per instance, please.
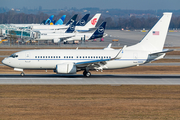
(43, 56)
(56, 56)
(59, 56)
(35, 56)
(48, 56)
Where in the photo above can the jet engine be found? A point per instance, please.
(56, 40)
(66, 68)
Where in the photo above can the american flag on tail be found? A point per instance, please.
(155, 32)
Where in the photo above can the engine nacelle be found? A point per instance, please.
(66, 68)
(56, 40)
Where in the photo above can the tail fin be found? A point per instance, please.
(71, 27)
(99, 32)
(49, 20)
(155, 38)
(92, 23)
(83, 21)
(61, 20)
(72, 19)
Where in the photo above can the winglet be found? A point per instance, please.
(120, 53)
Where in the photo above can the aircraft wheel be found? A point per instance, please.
(86, 74)
(22, 74)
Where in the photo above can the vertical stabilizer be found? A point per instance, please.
(99, 32)
(92, 23)
(61, 20)
(155, 38)
(83, 21)
(71, 27)
(72, 19)
(49, 20)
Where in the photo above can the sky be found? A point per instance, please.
(102, 4)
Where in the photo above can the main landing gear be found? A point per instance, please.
(86, 73)
(22, 74)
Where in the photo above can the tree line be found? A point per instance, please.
(117, 22)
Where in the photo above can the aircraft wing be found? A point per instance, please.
(102, 61)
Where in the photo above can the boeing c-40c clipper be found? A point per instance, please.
(64, 61)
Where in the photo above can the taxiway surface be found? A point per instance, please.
(93, 80)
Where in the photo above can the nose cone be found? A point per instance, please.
(4, 61)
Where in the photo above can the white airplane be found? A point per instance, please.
(64, 61)
(69, 34)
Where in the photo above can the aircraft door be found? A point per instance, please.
(27, 58)
(135, 60)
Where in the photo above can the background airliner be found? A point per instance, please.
(68, 35)
(63, 61)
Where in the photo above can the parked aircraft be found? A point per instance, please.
(69, 36)
(81, 22)
(64, 61)
(46, 27)
(90, 25)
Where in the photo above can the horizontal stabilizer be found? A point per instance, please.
(164, 51)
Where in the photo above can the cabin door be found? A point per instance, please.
(27, 60)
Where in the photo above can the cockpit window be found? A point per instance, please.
(13, 56)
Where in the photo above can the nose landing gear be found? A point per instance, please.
(22, 74)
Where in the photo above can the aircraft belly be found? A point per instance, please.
(119, 64)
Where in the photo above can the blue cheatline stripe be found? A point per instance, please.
(93, 59)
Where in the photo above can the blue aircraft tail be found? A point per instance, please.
(99, 31)
(61, 20)
(71, 27)
(83, 21)
(72, 19)
(49, 20)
